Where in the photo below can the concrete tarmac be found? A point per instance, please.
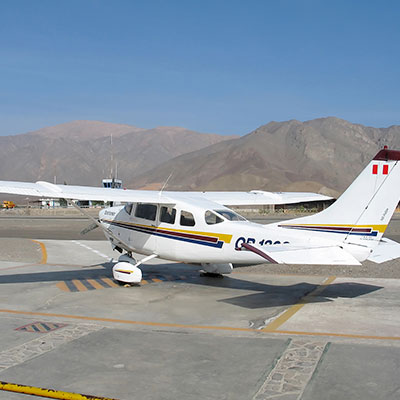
(256, 334)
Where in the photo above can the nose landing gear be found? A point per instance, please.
(126, 269)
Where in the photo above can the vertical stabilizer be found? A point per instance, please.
(362, 213)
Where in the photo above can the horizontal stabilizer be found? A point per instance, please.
(311, 255)
(385, 251)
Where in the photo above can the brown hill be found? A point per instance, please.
(322, 155)
(78, 152)
(85, 130)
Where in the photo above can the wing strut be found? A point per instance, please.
(259, 252)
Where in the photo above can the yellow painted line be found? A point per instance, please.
(110, 282)
(63, 286)
(341, 335)
(41, 327)
(79, 285)
(276, 323)
(48, 393)
(205, 327)
(44, 251)
(95, 284)
(143, 282)
(156, 280)
(123, 321)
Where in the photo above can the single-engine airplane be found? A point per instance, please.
(197, 227)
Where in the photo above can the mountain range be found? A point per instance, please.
(80, 152)
(322, 155)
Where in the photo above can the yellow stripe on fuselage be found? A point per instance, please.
(221, 236)
(379, 228)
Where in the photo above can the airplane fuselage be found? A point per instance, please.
(193, 239)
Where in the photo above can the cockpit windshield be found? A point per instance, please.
(212, 218)
(230, 215)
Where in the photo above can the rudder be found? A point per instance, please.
(363, 211)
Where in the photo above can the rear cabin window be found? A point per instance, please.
(167, 215)
(187, 218)
(146, 211)
(211, 218)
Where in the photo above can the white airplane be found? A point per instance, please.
(196, 227)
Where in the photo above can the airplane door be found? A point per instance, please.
(165, 242)
(143, 227)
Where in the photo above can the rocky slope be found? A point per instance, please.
(322, 155)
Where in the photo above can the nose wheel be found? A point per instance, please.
(126, 270)
(127, 273)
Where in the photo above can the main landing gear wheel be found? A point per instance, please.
(215, 270)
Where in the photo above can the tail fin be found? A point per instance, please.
(363, 211)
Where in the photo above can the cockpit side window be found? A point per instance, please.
(128, 208)
(167, 215)
(187, 218)
(146, 211)
(230, 215)
(212, 218)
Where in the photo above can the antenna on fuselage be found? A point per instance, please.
(165, 183)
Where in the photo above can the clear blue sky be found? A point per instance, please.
(213, 66)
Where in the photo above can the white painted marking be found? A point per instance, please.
(90, 249)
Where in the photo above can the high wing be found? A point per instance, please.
(260, 197)
(256, 197)
(46, 189)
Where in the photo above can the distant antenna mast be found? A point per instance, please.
(112, 158)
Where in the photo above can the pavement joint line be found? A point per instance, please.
(282, 318)
(44, 251)
(204, 327)
(47, 393)
(19, 266)
(336, 334)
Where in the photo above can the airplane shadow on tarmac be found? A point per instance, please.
(268, 295)
(273, 296)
